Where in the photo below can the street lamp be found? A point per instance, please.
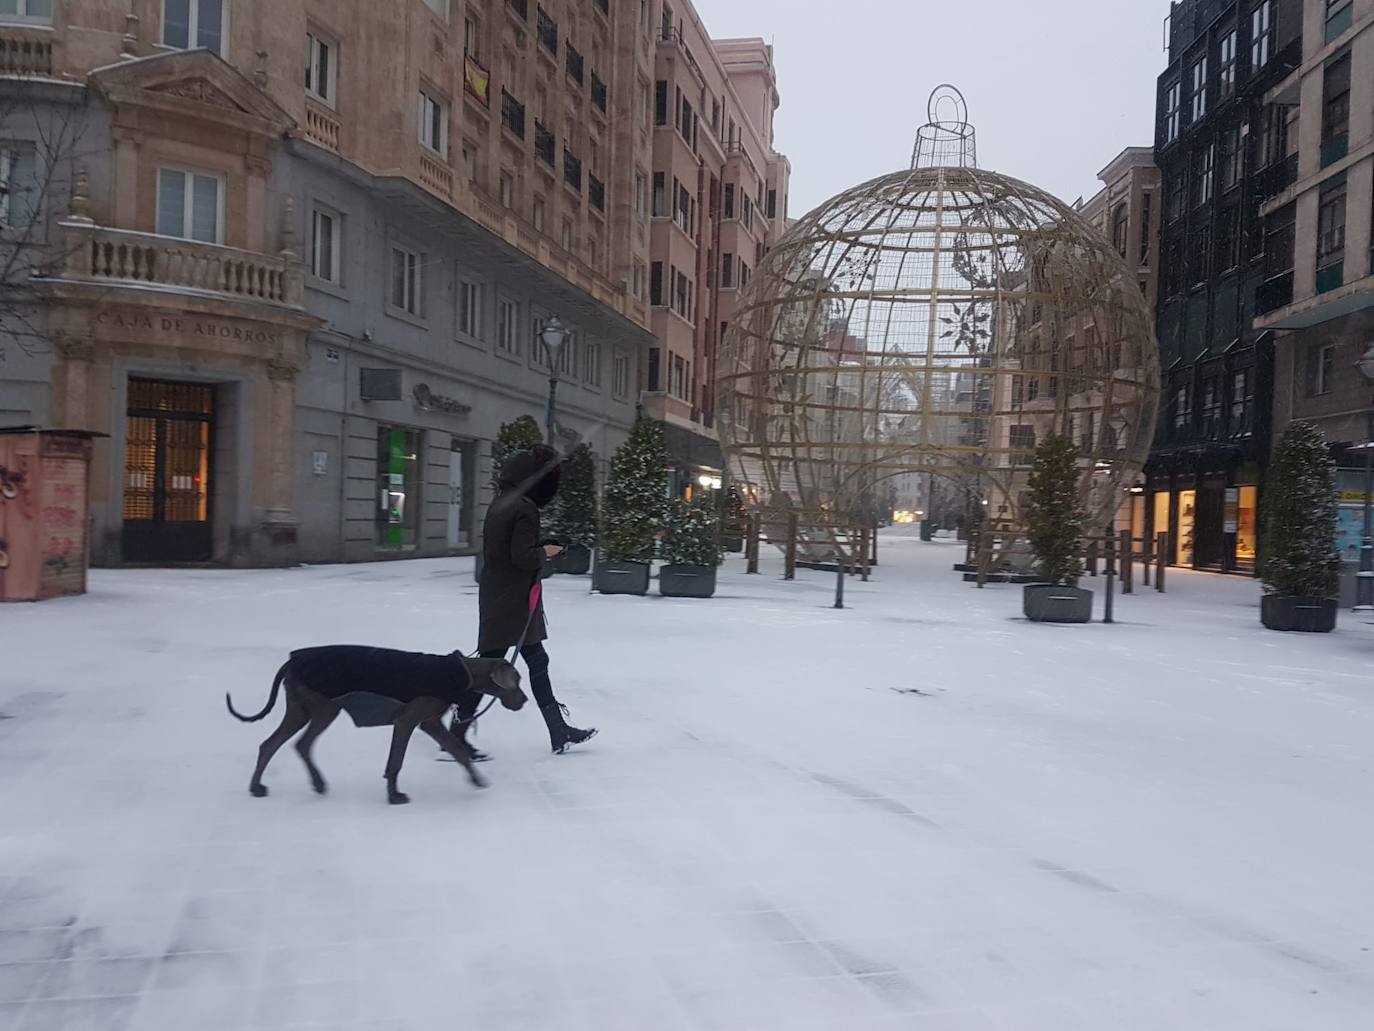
(553, 336)
(1364, 581)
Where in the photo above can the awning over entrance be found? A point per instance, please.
(694, 450)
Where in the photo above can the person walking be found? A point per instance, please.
(513, 554)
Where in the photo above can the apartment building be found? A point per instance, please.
(1225, 150)
(1319, 297)
(296, 265)
(717, 198)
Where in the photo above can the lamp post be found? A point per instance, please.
(553, 336)
(1364, 580)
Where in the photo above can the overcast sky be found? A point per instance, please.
(1056, 88)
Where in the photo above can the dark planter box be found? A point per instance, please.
(1306, 615)
(1053, 603)
(687, 581)
(576, 561)
(733, 545)
(622, 577)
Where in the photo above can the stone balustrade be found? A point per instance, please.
(119, 257)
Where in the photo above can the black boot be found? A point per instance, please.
(560, 734)
(459, 729)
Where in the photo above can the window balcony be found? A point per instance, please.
(572, 171)
(436, 174)
(25, 50)
(546, 30)
(599, 98)
(512, 114)
(573, 64)
(112, 258)
(544, 148)
(321, 126)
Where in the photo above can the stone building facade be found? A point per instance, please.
(301, 305)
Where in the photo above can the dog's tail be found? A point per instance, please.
(271, 699)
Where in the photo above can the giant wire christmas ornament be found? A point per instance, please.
(940, 320)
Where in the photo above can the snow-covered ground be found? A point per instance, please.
(1163, 824)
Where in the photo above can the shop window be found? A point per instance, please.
(1246, 527)
(1161, 513)
(189, 24)
(1187, 526)
(190, 205)
(398, 487)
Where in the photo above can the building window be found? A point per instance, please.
(660, 195)
(683, 213)
(470, 161)
(638, 281)
(727, 271)
(682, 295)
(27, 10)
(1228, 239)
(325, 245)
(1321, 365)
(190, 205)
(507, 327)
(188, 24)
(434, 124)
(1022, 442)
(1242, 401)
(1176, 180)
(439, 7)
(507, 190)
(1173, 101)
(567, 358)
(538, 213)
(470, 309)
(567, 237)
(1226, 66)
(772, 204)
(18, 184)
(655, 370)
(1205, 169)
(1336, 110)
(591, 362)
(678, 387)
(1200, 90)
(398, 487)
(1201, 256)
(1331, 234)
(472, 38)
(1121, 225)
(406, 270)
(1340, 15)
(660, 103)
(1230, 158)
(620, 376)
(656, 283)
(729, 203)
(321, 59)
(1182, 404)
(1262, 34)
(641, 195)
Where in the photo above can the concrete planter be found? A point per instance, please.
(576, 561)
(1305, 615)
(622, 577)
(1054, 603)
(687, 581)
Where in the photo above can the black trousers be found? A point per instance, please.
(537, 663)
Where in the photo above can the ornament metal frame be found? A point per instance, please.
(937, 321)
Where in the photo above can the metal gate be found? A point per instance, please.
(167, 472)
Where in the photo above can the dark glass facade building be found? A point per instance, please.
(1222, 152)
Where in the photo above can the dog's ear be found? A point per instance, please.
(505, 676)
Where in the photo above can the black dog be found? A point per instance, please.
(377, 686)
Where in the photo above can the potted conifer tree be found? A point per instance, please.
(690, 549)
(1301, 568)
(632, 511)
(573, 519)
(1054, 523)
